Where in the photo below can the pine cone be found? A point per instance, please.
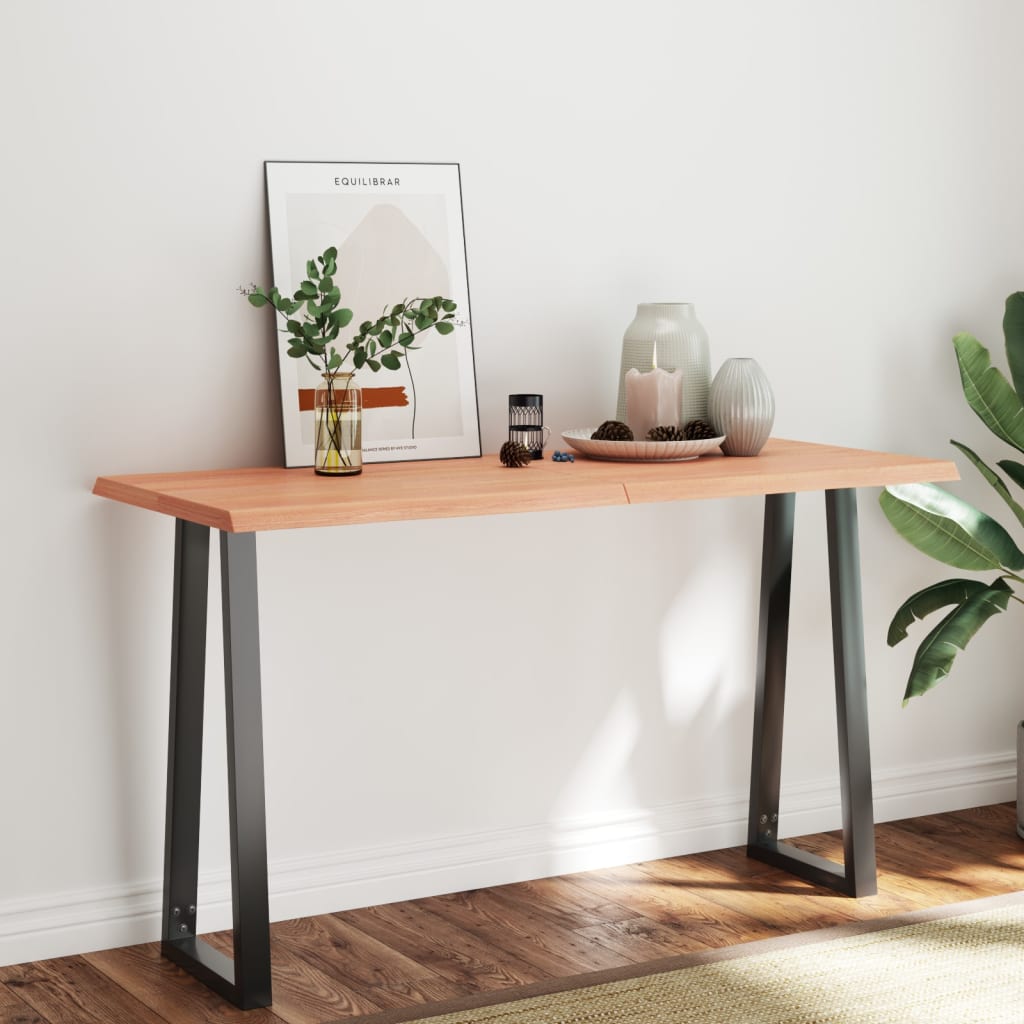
(665, 434)
(698, 430)
(513, 454)
(612, 430)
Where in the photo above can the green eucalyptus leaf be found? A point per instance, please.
(295, 326)
(444, 328)
(398, 310)
(931, 599)
(949, 529)
(1013, 332)
(934, 658)
(309, 329)
(311, 270)
(994, 479)
(405, 338)
(1014, 470)
(308, 289)
(359, 358)
(391, 361)
(257, 299)
(371, 349)
(373, 364)
(326, 284)
(297, 351)
(341, 317)
(988, 392)
(386, 337)
(365, 326)
(423, 322)
(448, 306)
(330, 254)
(335, 361)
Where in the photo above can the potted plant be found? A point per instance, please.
(953, 531)
(314, 319)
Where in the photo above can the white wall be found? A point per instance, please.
(836, 187)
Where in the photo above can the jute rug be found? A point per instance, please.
(962, 964)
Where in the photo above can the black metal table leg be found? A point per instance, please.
(856, 877)
(245, 981)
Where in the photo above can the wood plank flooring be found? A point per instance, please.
(346, 965)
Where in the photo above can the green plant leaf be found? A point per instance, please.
(386, 337)
(335, 361)
(949, 529)
(448, 306)
(398, 310)
(391, 361)
(311, 271)
(931, 599)
(308, 289)
(988, 392)
(1014, 470)
(373, 364)
(1013, 332)
(330, 254)
(257, 299)
(993, 478)
(326, 284)
(934, 658)
(444, 328)
(358, 358)
(297, 351)
(341, 317)
(405, 338)
(371, 349)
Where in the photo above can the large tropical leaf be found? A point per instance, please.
(1013, 331)
(988, 392)
(1014, 470)
(935, 656)
(931, 599)
(994, 479)
(948, 529)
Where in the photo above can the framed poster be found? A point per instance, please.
(399, 234)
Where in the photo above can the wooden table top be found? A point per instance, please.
(242, 500)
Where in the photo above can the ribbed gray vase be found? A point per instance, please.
(741, 406)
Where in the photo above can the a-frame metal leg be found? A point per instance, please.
(856, 877)
(245, 981)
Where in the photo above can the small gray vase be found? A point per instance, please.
(741, 406)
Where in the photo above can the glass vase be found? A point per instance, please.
(338, 408)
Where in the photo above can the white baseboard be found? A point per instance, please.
(65, 923)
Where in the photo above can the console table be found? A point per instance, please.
(240, 503)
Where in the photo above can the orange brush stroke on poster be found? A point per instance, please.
(373, 398)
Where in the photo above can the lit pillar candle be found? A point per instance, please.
(653, 400)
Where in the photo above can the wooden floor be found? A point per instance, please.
(361, 961)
